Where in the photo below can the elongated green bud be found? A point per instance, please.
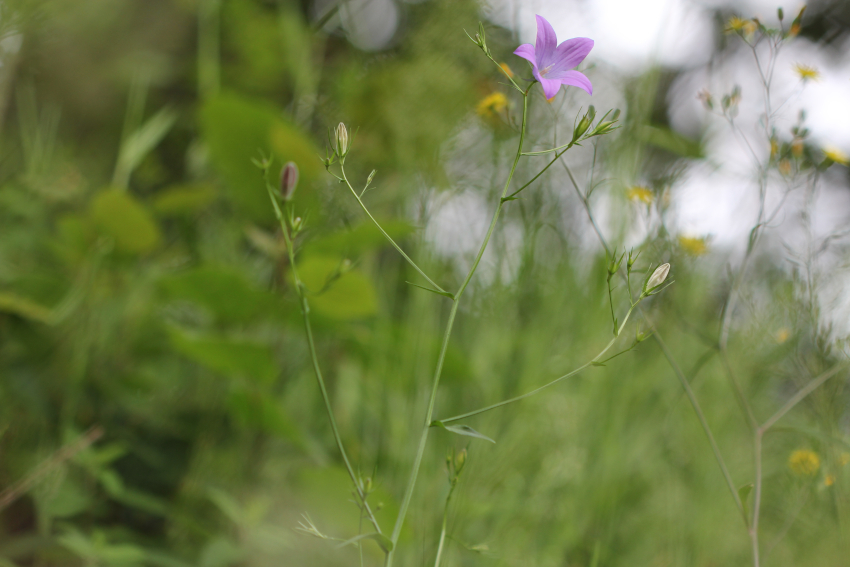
(288, 180)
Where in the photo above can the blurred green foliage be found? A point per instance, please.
(144, 290)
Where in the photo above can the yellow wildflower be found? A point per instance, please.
(804, 462)
(492, 104)
(783, 335)
(806, 72)
(836, 155)
(797, 147)
(784, 167)
(829, 480)
(844, 459)
(750, 27)
(507, 70)
(735, 24)
(638, 193)
(694, 245)
(774, 148)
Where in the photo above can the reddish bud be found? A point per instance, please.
(288, 180)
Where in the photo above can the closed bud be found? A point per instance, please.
(657, 278)
(460, 460)
(341, 133)
(371, 176)
(780, 13)
(288, 180)
(584, 123)
(296, 224)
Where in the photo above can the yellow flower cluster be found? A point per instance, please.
(694, 245)
(836, 155)
(639, 193)
(736, 24)
(492, 104)
(804, 462)
(806, 72)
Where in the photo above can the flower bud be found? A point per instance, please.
(341, 133)
(288, 180)
(657, 278)
(584, 123)
(296, 224)
(460, 460)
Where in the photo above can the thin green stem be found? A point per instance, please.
(445, 522)
(305, 312)
(799, 396)
(611, 302)
(591, 362)
(541, 172)
(387, 236)
(423, 438)
(543, 152)
(704, 423)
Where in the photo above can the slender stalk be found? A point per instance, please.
(387, 236)
(542, 171)
(656, 335)
(704, 423)
(754, 526)
(445, 522)
(420, 451)
(543, 387)
(305, 312)
(799, 396)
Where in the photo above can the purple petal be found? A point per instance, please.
(569, 54)
(546, 44)
(550, 87)
(576, 79)
(526, 51)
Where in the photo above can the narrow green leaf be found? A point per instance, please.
(382, 540)
(443, 293)
(743, 493)
(461, 430)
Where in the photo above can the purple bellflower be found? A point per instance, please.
(552, 63)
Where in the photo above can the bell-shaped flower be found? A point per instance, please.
(552, 63)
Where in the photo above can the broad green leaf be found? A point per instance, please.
(23, 307)
(236, 130)
(67, 501)
(351, 296)
(223, 291)
(179, 200)
(383, 541)
(227, 356)
(118, 214)
(461, 430)
(261, 411)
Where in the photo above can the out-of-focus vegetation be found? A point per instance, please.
(157, 403)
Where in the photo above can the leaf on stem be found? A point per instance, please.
(443, 293)
(461, 430)
(743, 493)
(382, 540)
